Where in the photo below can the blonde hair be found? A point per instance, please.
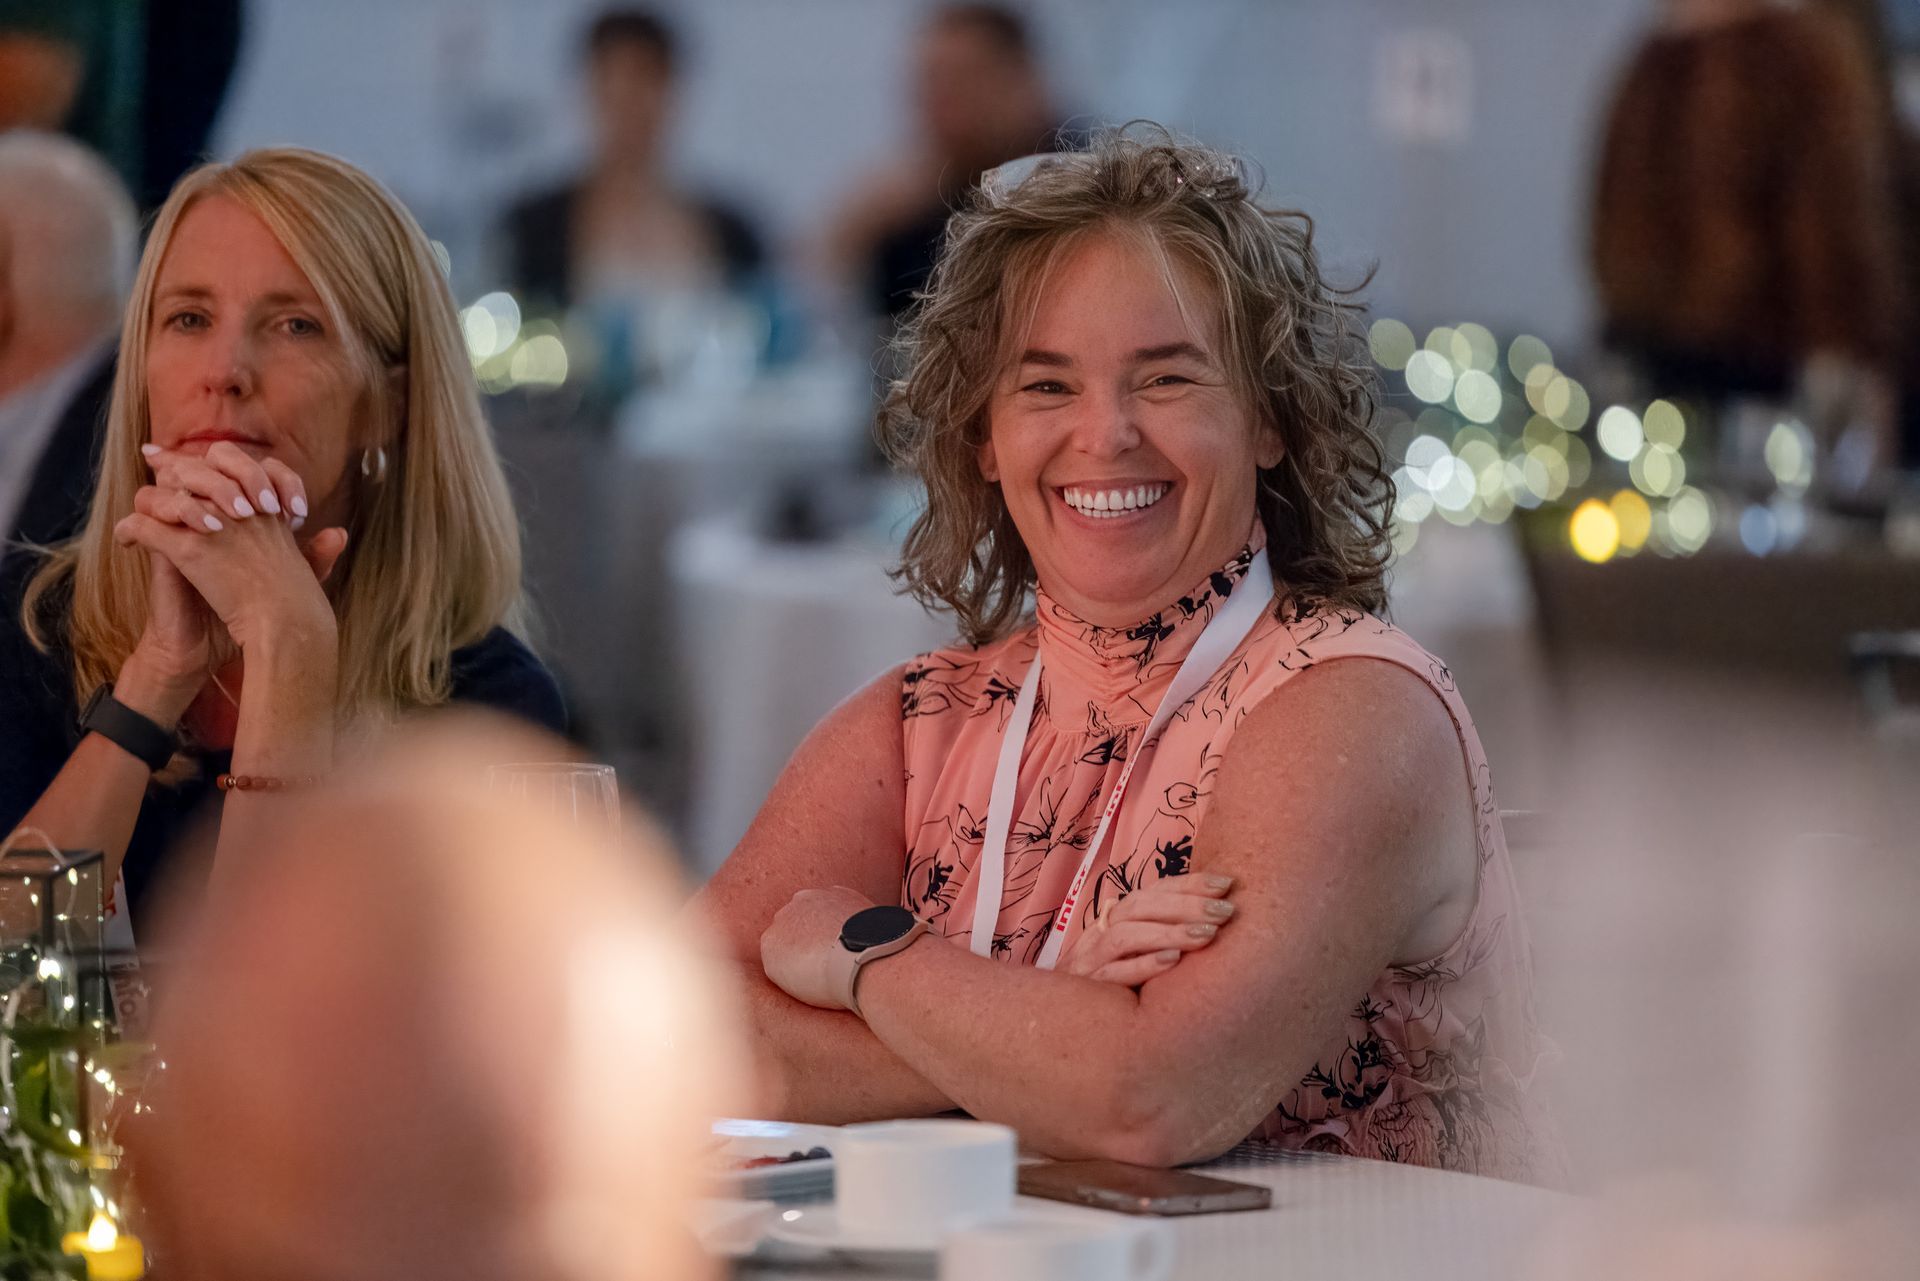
(1290, 341)
(433, 558)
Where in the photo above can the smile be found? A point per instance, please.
(1108, 503)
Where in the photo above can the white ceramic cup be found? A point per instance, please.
(1037, 1248)
(912, 1182)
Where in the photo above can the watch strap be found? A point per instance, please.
(127, 729)
(857, 961)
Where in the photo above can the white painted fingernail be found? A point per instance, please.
(149, 450)
(242, 508)
(300, 506)
(213, 523)
(298, 521)
(1171, 954)
(270, 501)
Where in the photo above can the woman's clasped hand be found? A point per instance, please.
(228, 566)
(1145, 934)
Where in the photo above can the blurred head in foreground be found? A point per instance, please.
(436, 1034)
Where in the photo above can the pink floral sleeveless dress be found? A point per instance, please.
(1435, 1062)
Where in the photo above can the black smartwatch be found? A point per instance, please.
(869, 935)
(127, 729)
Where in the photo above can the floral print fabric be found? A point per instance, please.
(1434, 1063)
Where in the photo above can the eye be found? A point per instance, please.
(186, 321)
(1170, 380)
(302, 327)
(1046, 387)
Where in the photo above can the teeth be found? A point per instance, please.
(1112, 502)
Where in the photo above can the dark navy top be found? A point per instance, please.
(39, 728)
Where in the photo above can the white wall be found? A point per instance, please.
(456, 102)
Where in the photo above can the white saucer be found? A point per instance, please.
(818, 1226)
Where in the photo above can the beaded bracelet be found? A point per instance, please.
(260, 783)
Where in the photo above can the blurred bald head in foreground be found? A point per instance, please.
(435, 1034)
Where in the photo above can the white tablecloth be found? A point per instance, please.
(1332, 1218)
(771, 636)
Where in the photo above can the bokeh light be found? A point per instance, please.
(1525, 354)
(1658, 470)
(1689, 520)
(1789, 454)
(1619, 433)
(1664, 424)
(1574, 416)
(541, 361)
(1474, 347)
(1478, 396)
(491, 325)
(1594, 532)
(1633, 517)
(1758, 532)
(1411, 504)
(1429, 376)
(1391, 343)
(1579, 462)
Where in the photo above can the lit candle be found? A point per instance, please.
(109, 1255)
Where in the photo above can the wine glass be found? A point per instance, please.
(583, 795)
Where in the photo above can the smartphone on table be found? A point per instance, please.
(1139, 1189)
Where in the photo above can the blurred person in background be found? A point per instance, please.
(140, 81)
(440, 1036)
(1743, 240)
(1130, 390)
(624, 226)
(42, 61)
(300, 529)
(1866, 21)
(980, 100)
(68, 236)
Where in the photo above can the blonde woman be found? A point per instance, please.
(1201, 849)
(300, 527)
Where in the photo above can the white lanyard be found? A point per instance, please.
(1224, 632)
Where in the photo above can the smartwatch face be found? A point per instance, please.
(874, 926)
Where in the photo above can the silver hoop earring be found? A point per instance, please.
(373, 464)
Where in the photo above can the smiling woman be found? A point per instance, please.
(300, 529)
(1202, 850)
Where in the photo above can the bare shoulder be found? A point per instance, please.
(1354, 768)
(834, 817)
(1370, 706)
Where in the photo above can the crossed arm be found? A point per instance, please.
(1344, 815)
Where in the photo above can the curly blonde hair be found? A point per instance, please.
(1291, 341)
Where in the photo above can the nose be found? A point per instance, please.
(230, 370)
(1105, 426)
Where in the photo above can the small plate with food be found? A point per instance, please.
(773, 1160)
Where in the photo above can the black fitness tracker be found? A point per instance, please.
(127, 729)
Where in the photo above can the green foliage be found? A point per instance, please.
(44, 1174)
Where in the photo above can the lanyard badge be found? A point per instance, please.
(1224, 632)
